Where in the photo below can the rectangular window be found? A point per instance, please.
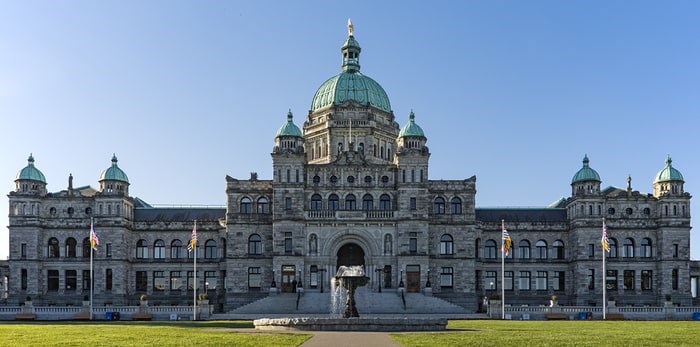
(141, 281)
(176, 280)
(288, 246)
(524, 280)
(159, 281)
(23, 250)
(71, 279)
(413, 243)
(413, 204)
(287, 203)
(628, 279)
(675, 250)
(646, 280)
(591, 250)
(86, 280)
(446, 277)
(674, 279)
(508, 280)
(591, 278)
(24, 279)
(190, 281)
(611, 280)
(108, 250)
(477, 279)
(210, 281)
(559, 280)
(254, 277)
(52, 280)
(108, 279)
(541, 280)
(491, 280)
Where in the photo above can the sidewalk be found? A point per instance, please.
(349, 339)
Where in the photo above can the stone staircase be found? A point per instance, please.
(367, 301)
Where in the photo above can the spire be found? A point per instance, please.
(114, 159)
(351, 51)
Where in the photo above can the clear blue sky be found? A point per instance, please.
(514, 92)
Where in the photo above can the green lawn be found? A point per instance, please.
(461, 333)
(558, 333)
(205, 333)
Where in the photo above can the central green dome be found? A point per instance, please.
(351, 84)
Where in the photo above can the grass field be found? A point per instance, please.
(461, 333)
(559, 333)
(123, 333)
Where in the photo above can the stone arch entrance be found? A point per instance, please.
(350, 254)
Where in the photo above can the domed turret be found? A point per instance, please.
(350, 84)
(114, 180)
(288, 137)
(586, 181)
(668, 180)
(411, 128)
(411, 135)
(30, 178)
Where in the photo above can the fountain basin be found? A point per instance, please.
(351, 324)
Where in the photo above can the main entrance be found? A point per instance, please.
(350, 254)
(289, 280)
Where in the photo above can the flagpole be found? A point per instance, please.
(604, 274)
(91, 250)
(503, 268)
(194, 299)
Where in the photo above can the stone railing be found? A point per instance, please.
(100, 313)
(595, 312)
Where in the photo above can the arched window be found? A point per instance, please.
(350, 202)
(456, 204)
(541, 247)
(490, 249)
(446, 245)
(388, 244)
(317, 179)
(367, 202)
(210, 249)
(646, 248)
(53, 251)
(263, 206)
(612, 243)
(439, 206)
(86, 247)
(524, 249)
(313, 244)
(385, 202)
(176, 249)
(141, 249)
(333, 202)
(70, 247)
(246, 205)
(316, 202)
(159, 249)
(255, 245)
(558, 246)
(628, 248)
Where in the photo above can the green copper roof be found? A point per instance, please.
(585, 173)
(411, 128)
(30, 172)
(289, 128)
(669, 173)
(350, 84)
(114, 173)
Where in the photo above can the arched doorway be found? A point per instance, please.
(350, 254)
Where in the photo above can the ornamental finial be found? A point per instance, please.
(350, 27)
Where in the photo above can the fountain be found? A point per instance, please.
(344, 315)
(346, 280)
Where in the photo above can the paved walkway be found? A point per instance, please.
(349, 339)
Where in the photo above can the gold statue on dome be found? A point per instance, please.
(350, 27)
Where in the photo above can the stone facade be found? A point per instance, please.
(352, 188)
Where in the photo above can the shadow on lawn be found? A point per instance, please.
(174, 324)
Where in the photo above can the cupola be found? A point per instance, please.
(586, 181)
(113, 179)
(668, 181)
(30, 179)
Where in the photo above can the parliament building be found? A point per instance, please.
(351, 186)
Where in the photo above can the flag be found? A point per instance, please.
(94, 240)
(604, 240)
(507, 241)
(193, 241)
